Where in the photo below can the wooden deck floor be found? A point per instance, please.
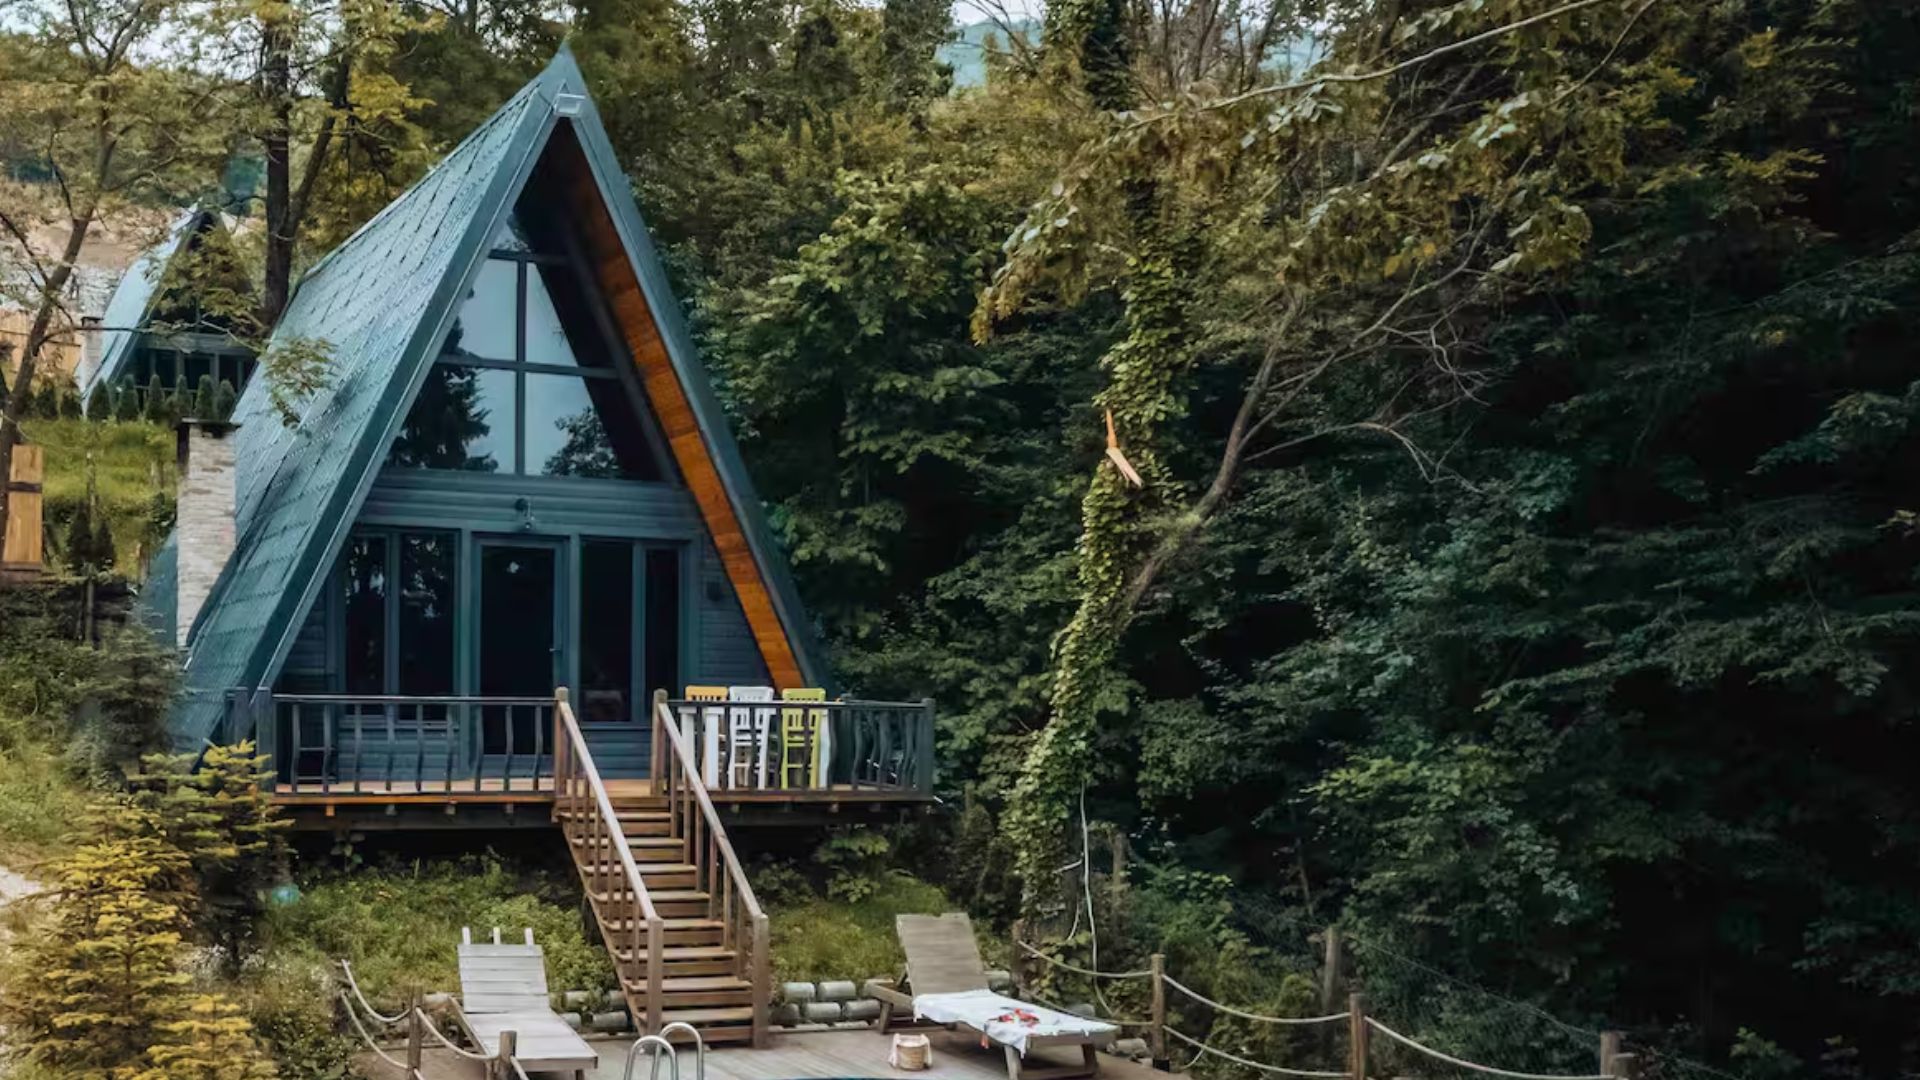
(819, 1055)
(524, 789)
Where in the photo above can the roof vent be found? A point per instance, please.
(569, 104)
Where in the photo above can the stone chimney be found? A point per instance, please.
(203, 517)
(92, 341)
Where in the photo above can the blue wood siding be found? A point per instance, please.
(717, 644)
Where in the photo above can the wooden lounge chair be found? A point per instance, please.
(504, 988)
(946, 982)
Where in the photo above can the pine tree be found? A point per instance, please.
(99, 407)
(104, 553)
(156, 403)
(95, 988)
(127, 400)
(224, 400)
(211, 1042)
(70, 407)
(202, 408)
(221, 817)
(80, 539)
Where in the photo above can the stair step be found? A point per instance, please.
(697, 1017)
(672, 953)
(643, 848)
(695, 991)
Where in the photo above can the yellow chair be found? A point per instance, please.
(805, 740)
(700, 725)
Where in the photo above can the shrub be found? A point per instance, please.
(399, 925)
(824, 938)
(290, 1001)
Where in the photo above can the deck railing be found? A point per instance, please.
(347, 743)
(871, 746)
(614, 885)
(717, 870)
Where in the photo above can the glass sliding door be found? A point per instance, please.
(607, 631)
(519, 649)
(663, 623)
(629, 627)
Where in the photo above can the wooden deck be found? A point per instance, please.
(816, 1055)
(526, 790)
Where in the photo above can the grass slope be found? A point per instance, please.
(131, 462)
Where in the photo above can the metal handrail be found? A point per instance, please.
(408, 699)
(658, 1043)
(699, 1046)
(878, 745)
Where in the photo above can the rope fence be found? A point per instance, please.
(1330, 1018)
(371, 1044)
(354, 985)
(1474, 1065)
(1614, 1064)
(503, 1065)
(1281, 1070)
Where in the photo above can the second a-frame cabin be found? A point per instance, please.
(506, 568)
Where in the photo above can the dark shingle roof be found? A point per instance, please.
(132, 301)
(376, 301)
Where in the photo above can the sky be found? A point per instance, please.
(967, 12)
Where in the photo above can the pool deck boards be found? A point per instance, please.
(817, 1055)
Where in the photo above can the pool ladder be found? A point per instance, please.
(655, 1044)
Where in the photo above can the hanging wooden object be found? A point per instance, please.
(21, 551)
(1119, 458)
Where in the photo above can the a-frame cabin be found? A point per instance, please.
(505, 566)
(157, 325)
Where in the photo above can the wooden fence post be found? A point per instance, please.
(1330, 970)
(416, 1040)
(1017, 960)
(1609, 1048)
(1157, 1033)
(1626, 1066)
(1357, 1037)
(509, 1043)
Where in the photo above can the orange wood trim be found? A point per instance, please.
(621, 287)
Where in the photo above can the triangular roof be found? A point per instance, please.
(131, 304)
(384, 300)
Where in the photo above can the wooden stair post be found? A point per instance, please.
(671, 903)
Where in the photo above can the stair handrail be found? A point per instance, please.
(570, 749)
(655, 1044)
(665, 726)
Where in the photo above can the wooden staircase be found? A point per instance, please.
(674, 907)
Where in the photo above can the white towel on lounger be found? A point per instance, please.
(1005, 1020)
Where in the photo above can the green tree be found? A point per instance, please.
(94, 989)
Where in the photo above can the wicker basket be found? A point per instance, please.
(911, 1052)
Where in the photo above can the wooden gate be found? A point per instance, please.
(21, 552)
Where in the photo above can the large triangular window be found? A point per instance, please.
(527, 381)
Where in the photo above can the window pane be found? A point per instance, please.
(427, 599)
(363, 574)
(199, 366)
(463, 419)
(485, 327)
(663, 622)
(584, 427)
(606, 630)
(546, 336)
